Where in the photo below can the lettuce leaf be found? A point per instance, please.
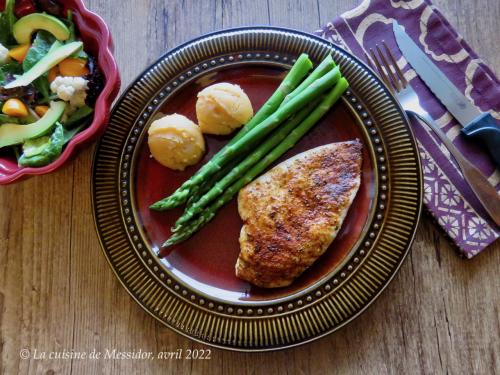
(80, 114)
(41, 45)
(69, 134)
(81, 54)
(4, 119)
(7, 20)
(43, 150)
(11, 68)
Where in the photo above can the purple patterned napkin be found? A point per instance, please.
(446, 195)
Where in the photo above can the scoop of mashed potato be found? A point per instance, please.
(175, 141)
(222, 108)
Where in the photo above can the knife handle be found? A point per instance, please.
(485, 128)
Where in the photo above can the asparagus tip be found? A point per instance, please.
(164, 204)
(167, 243)
(155, 206)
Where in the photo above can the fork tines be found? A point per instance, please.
(387, 67)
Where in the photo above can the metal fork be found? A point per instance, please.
(390, 73)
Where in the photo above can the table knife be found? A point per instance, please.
(476, 124)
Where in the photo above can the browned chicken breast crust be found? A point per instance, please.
(293, 212)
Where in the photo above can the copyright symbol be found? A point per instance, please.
(24, 353)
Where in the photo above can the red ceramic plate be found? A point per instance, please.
(193, 288)
(97, 39)
(206, 261)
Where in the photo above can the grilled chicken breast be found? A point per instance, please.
(293, 212)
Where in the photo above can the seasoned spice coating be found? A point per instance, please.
(293, 212)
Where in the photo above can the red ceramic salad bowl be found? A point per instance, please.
(97, 40)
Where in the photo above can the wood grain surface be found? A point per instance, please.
(440, 314)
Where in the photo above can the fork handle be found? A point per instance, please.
(479, 184)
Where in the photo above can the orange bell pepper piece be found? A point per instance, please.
(15, 108)
(72, 67)
(53, 73)
(19, 53)
(41, 110)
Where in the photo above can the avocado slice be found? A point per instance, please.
(13, 134)
(27, 25)
(51, 59)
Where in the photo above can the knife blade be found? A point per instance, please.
(476, 124)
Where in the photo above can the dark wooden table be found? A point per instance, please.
(439, 315)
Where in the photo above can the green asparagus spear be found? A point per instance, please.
(199, 191)
(324, 67)
(258, 168)
(192, 227)
(296, 74)
(249, 140)
(243, 166)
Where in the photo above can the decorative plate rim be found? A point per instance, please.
(235, 314)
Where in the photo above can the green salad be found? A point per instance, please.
(48, 82)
